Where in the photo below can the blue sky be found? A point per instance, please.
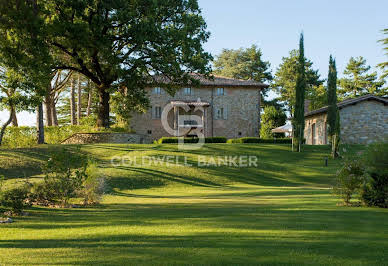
(343, 28)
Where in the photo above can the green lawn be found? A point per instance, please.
(281, 212)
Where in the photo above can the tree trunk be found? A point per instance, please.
(103, 107)
(48, 110)
(14, 118)
(79, 96)
(6, 124)
(40, 126)
(72, 103)
(54, 115)
(88, 109)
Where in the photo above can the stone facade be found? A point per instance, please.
(239, 107)
(361, 123)
(87, 138)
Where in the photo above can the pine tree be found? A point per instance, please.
(300, 89)
(358, 80)
(332, 112)
(285, 81)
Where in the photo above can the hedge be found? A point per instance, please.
(259, 140)
(174, 140)
(16, 137)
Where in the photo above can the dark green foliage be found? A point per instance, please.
(349, 179)
(174, 140)
(270, 119)
(285, 82)
(14, 199)
(259, 140)
(332, 97)
(375, 193)
(300, 90)
(333, 117)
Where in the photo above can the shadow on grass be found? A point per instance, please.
(247, 229)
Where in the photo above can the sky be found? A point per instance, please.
(343, 28)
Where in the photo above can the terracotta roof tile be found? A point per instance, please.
(216, 81)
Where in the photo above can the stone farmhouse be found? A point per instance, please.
(363, 120)
(217, 107)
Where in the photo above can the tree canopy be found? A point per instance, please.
(384, 65)
(245, 63)
(300, 91)
(286, 77)
(115, 43)
(358, 80)
(270, 119)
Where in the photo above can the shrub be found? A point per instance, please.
(61, 180)
(215, 140)
(174, 140)
(93, 186)
(375, 192)
(65, 180)
(259, 140)
(15, 199)
(349, 180)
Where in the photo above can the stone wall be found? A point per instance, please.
(319, 122)
(361, 123)
(87, 138)
(241, 105)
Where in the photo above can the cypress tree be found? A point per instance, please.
(300, 88)
(332, 112)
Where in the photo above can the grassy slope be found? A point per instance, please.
(279, 213)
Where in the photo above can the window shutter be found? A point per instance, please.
(216, 113)
(226, 112)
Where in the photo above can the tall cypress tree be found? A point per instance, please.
(300, 89)
(332, 112)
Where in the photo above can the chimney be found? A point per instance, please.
(307, 106)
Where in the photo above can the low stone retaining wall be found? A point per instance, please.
(88, 138)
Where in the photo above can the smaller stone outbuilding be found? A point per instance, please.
(364, 120)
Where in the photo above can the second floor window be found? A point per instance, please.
(157, 90)
(221, 113)
(156, 112)
(187, 91)
(220, 91)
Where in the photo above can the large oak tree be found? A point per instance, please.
(120, 43)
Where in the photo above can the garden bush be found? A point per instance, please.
(375, 191)
(174, 140)
(259, 140)
(349, 180)
(15, 200)
(93, 187)
(68, 176)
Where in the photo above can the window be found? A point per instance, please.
(157, 112)
(220, 91)
(187, 91)
(221, 113)
(149, 132)
(157, 90)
